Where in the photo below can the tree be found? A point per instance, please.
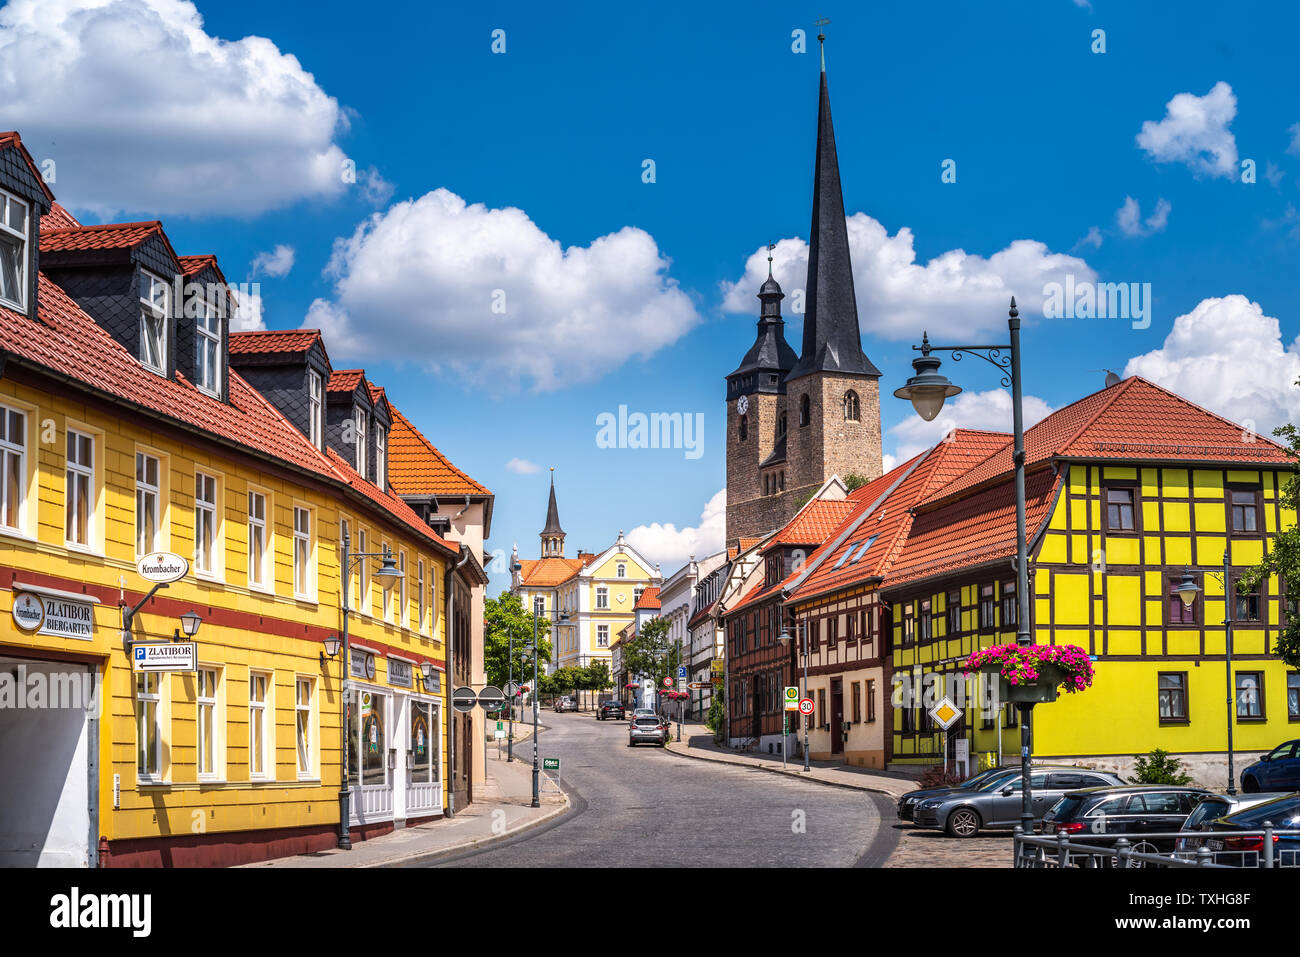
(600, 679)
(650, 654)
(505, 618)
(1158, 768)
(1283, 558)
(854, 480)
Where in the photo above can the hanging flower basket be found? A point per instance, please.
(676, 695)
(631, 685)
(1032, 674)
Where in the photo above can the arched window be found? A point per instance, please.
(780, 426)
(744, 427)
(782, 481)
(805, 410)
(852, 407)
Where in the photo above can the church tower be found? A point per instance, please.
(826, 404)
(552, 534)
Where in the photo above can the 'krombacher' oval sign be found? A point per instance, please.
(162, 567)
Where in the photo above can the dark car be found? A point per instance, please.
(907, 803)
(997, 803)
(1130, 809)
(1279, 770)
(1211, 809)
(647, 729)
(1248, 850)
(611, 709)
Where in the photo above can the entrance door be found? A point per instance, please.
(837, 716)
(756, 727)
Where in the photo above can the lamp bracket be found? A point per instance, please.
(998, 356)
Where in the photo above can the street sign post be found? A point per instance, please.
(164, 656)
(463, 700)
(668, 682)
(491, 698)
(806, 706)
(681, 672)
(792, 699)
(699, 685)
(945, 713)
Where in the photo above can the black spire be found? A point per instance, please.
(552, 513)
(831, 339)
(770, 357)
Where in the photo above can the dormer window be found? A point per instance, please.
(380, 455)
(361, 443)
(207, 347)
(315, 406)
(154, 301)
(13, 251)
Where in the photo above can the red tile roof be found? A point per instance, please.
(416, 467)
(191, 265)
(274, 341)
(548, 572)
(388, 501)
(107, 236)
(649, 598)
(58, 218)
(11, 138)
(345, 380)
(813, 524)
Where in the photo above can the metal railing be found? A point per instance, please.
(1072, 850)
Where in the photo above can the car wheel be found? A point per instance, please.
(1249, 785)
(963, 822)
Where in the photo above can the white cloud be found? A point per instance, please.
(672, 547)
(248, 311)
(1129, 217)
(1195, 131)
(1273, 173)
(523, 466)
(142, 110)
(971, 410)
(277, 262)
(1093, 239)
(1294, 148)
(955, 293)
(1228, 356)
(888, 462)
(487, 294)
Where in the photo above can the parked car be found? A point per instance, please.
(566, 703)
(647, 728)
(907, 803)
(611, 709)
(1129, 809)
(1211, 809)
(1279, 770)
(1248, 850)
(996, 804)
(644, 713)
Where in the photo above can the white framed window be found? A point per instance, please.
(381, 455)
(303, 707)
(79, 488)
(302, 583)
(621, 570)
(315, 407)
(148, 726)
(420, 597)
(403, 612)
(257, 541)
(261, 758)
(361, 443)
(602, 636)
(602, 596)
(363, 577)
(155, 298)
(207, 347)
(205, 523)
(148, 475)
(13, 467)
(209, 728)
(14, 229)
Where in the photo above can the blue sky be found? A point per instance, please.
(619, 290)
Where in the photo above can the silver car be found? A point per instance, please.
(647, 728)
(997, 804)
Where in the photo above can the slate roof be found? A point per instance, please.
(11, 138)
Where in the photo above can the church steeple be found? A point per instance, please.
(832, 341)
(552, 534)
(770, 357)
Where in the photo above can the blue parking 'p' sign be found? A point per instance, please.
(681, 671)
(139, 654)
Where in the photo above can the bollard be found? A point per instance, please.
(1122, 849)
(1062, 852)
(1203, 856)
(1017, 832)
(1268, 844)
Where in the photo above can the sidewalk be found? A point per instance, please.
(698, 743)
(501, 809)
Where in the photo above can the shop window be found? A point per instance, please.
(369, 732)
(425, 738)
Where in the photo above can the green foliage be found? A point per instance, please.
(598, 676)
(505, 618)
(650, 654)
(1283, 558)
(854, 480)
(717, 719)
(1159, 768)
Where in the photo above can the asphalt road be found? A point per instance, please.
(646, 807)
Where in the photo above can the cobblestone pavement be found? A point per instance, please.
(645, 807)
(919, 847)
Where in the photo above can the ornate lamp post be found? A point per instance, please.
(784, 638)
(1188, 591)
(927, 390)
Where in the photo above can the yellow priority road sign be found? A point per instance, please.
(945, 713)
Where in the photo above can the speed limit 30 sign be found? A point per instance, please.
(806, 706)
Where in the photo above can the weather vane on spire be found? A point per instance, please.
(770, 247)
(821, 39)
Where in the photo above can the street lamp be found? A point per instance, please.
(1188, 591)
(927, 389)
(387, 570)
(561, 617)
(190, 623)
(784, 638)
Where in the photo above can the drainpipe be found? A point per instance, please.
(449, 599)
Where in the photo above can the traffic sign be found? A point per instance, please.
(668, 682)
(512, 689)
(164, 656)
(700, 685)
(464, 699)
(806, 706)
(681, 672)
(945, 713)
(791, 699)
(491, 698)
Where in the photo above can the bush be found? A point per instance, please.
(717, 715)
(937, 776)
(1159, 768)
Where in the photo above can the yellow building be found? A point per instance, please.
(129, 443)
(1126, 489)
